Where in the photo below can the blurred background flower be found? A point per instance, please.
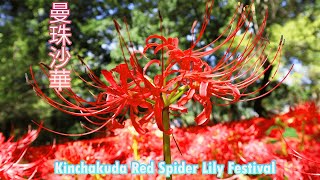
(24, 36)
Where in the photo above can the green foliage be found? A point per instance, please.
(290, 132)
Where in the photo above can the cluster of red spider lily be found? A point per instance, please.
(185, 76)
(245, 141)
(12, 156)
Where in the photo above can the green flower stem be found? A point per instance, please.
(166, 138)
(181, 91)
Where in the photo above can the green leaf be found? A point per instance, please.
(290, 132)
(264, 178)
(272, 140)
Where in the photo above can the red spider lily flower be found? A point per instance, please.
(304, 117)
(229, 79)
(11, 155)
(130, 89)
(77, 151)
(104, 150)
(240, 142)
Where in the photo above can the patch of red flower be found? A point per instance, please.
(12, 162)
(244, 141)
